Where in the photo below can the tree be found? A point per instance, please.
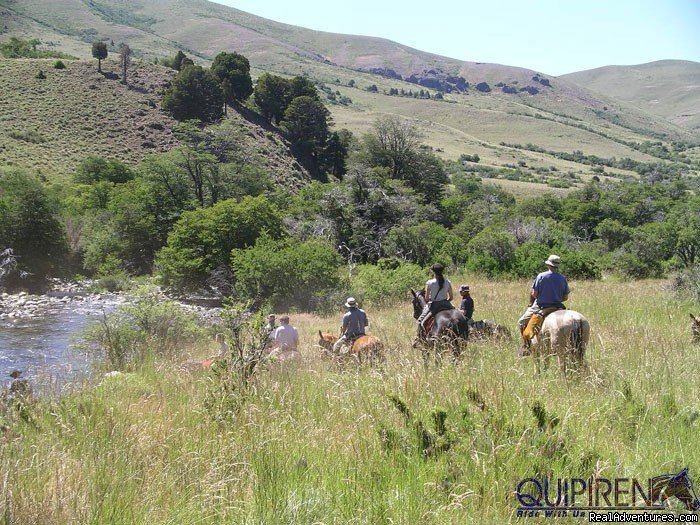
(96, 169)
(233, 71)
(301, 87)
(124, 60)
(271, 92)
(177, 60)
(202, 239)
(31, 227)
(288, 274)
(306, 126)
(394, 144)
(99, 51)
(195, 94)
(334, 155)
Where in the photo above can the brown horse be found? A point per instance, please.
(366, 348)
(488, 329)
(564, 334)
(695, 328)
(679, 485)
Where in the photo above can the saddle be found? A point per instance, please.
(535, 324)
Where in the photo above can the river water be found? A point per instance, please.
(46, 347)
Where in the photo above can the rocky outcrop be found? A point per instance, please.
(483, 87)
(541, 80)
(530, 89)
(385, 72)
(509, 90)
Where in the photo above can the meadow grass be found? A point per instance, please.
(316, 444)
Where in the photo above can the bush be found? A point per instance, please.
(202, 239)
(287, 273)
(40, 75)
(425, 244)
(59, 64)
(491, 252)
(386, 281)
(687, 283)
(147, 326)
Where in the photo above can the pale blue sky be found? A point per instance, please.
(549, 36)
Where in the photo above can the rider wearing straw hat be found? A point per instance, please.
(354, 323)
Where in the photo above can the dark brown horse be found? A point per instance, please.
(449, 329)
(678, 485)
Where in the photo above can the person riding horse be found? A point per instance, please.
(438, 295)
(354, 323)
(548, 293)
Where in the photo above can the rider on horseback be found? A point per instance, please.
(549, 291)
(438, 294)
(354, 323)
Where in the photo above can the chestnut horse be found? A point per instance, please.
(364, 348)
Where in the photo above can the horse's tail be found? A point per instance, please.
(577, 338)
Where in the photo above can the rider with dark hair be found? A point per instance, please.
(438, 294)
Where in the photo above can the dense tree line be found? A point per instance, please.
(382, 208)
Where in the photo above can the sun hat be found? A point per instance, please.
(351, 302)
(464, 288)
(553, 260)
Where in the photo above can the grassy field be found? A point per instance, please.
(314, 444)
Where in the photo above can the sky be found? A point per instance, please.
(548, 36)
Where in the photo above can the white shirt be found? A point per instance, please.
(286, 337)
(433, 294)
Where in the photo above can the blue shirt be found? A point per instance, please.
(551, 287)
(354, 322)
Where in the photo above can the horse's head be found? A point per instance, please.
(326, 342)
(678, 485)
(682, 487)
(418, 303)
(695, 327)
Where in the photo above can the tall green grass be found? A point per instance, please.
(315, 444)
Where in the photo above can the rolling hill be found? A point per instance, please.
(49, 125)
(667, 88)
(485, 109)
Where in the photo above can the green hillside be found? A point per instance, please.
(49, 125)
(667, 88)
(544, 117)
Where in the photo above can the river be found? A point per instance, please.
(44, 347)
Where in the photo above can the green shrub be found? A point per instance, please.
(202, 239)
(59, 64)
(491, 252)
(386, 281)
(31, 136)
(425, 244)
(40, 75)
(287, 273)
(145, 327)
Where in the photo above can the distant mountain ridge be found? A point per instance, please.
(667, 88)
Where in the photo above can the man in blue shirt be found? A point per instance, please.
(354, 322)
(549, 290)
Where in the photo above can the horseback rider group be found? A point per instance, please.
(549, 291)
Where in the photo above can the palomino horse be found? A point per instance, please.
(678, 485)
(364, 348)
(565, 334)
(448, 327)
